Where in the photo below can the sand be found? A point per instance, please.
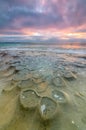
(41, 90)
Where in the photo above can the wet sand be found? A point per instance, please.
(41, 90)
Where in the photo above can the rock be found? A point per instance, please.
(6, 71)
(10, 86)
(69, 75)
(3, 68)
(21, 75)
(37, 81)
(36, 75)
(20, 67)
(41, 87)
(29, 99)
(14, 62)
(80, 65)
(26, 84)
(47, 108)
(59, 96)
(9, 72)
(4, 53)
(58, 82)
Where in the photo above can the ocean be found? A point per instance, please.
(78, 48)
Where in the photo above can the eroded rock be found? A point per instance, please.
(59, 96)
(29, 99)
(58, 82)
(26, 84)
(47, 108)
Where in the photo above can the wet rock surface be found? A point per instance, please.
(59, 96)
(40, 88)
(29, 99)
(58, 82)
(26, 84)
(47, 108)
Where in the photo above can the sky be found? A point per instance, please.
(44, 21)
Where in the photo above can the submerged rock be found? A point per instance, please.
(20, 67)
(6, 71)
(69, 75)
(47, 108)
(59, 96)
(80, 65)
(26, 84)
(58, 82)
(4, 68)
(21, 75)
(37, 81)
(10, 85)
(36, 75)
(4, 53)
(14, 62)
(29, 98)
(41, 87)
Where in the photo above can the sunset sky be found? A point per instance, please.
(43, 20)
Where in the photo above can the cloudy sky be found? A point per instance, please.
(43, 20)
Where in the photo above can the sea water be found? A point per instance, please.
(58, 48)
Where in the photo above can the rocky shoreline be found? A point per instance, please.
(39, 89)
